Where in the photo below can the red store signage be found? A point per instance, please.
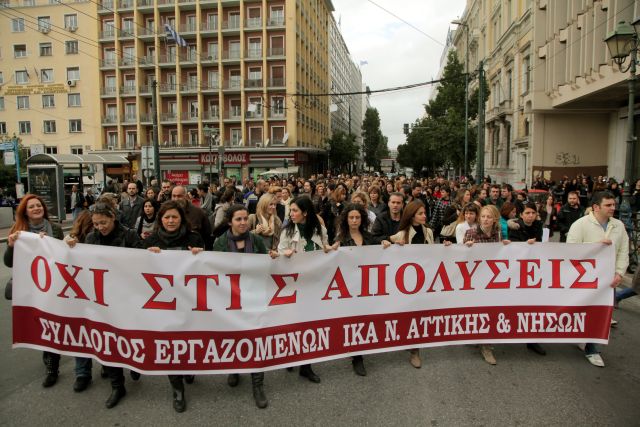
(177, 177)
(228, 158)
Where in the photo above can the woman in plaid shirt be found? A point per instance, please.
(487, 230)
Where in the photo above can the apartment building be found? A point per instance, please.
(346, 110)
(558, 106)
(237, 68)
(49, 75)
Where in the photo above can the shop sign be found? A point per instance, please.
(228, 158)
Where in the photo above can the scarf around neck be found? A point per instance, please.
(267, 224)
(232, 242)
(172, 239)
(44, 226)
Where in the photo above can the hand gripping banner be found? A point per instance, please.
(175, 312)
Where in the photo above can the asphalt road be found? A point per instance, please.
(454, 387)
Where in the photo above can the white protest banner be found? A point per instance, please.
(175, 312)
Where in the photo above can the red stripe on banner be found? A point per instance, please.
(263, 349)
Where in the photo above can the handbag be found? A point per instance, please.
(8, 289)
(449, 230)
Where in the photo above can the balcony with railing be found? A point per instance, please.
(126, 33)
(276, 83)
(167, 59)
(254, 115)
(254, 53)
(275, 113)
(108, 63)
(105, 6)
(147, 61)
(189, 116)
(130, 118)
(189, 57)
(143, 4)
(210, 86)
(208, 26)
(146, 32)
(275, 52)
(165, 4)
(146, 118)
(253, 83)
(208, 57)
(253, 23)
(107, 34)
(189, 87)
(275, 21)
(125, 4)
(188, 29)
(127, 62)
(145, 90)
(167, 88)
(128, 90)
(233, 113)
(108, 91)
(109, 120)
(232, 84)
(231, 55)
(211, 115)
(231, 24)
(168, 117)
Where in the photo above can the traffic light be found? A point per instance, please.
(406, 128)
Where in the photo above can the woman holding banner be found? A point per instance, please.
(109, 232)
(486, 231)
(353, 230)
(413, 230)
(32, 216)
(172, 232)
(304, 233)
(238, 238)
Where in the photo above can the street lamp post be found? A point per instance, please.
(466, 96)
(221, 161)
(623, 43)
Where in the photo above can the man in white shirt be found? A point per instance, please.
(601, 226)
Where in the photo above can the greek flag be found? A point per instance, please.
(173, 34)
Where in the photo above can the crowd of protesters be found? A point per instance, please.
(285, 216)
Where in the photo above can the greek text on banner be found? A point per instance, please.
(175, 312)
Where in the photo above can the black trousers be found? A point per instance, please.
(116, 375)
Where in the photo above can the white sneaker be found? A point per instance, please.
(614, 322)
(595, 360)
(581, 346)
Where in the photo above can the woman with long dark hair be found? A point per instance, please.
(32, 216)
(109, 232)
(353, 230)
(173, 232)
(304, 233)
(413, 230)
(146, 222)
(238, 238)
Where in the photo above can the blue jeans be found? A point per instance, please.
(591, 348)
(624, 294)
(83, 367)
(75, 212)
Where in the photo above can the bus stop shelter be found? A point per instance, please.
(45, 175)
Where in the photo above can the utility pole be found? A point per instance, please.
(481, 103)
(154, 118)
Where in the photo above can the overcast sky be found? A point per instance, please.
(397, 54)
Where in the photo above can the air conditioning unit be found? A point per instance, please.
(258, 144)
(72, 83)
(72, 29)
(111, 148)
(45, 30)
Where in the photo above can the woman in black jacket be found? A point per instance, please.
(109, 232)
(353, 231)
(172, 232)
(32, 216)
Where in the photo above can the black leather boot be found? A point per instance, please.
(189, 379)
(307, 372)
(257, 381)
(51, 362)
(179, 400)
(233, 380)
(358, 366)
(117, 393)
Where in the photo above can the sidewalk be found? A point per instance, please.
(66, 226)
